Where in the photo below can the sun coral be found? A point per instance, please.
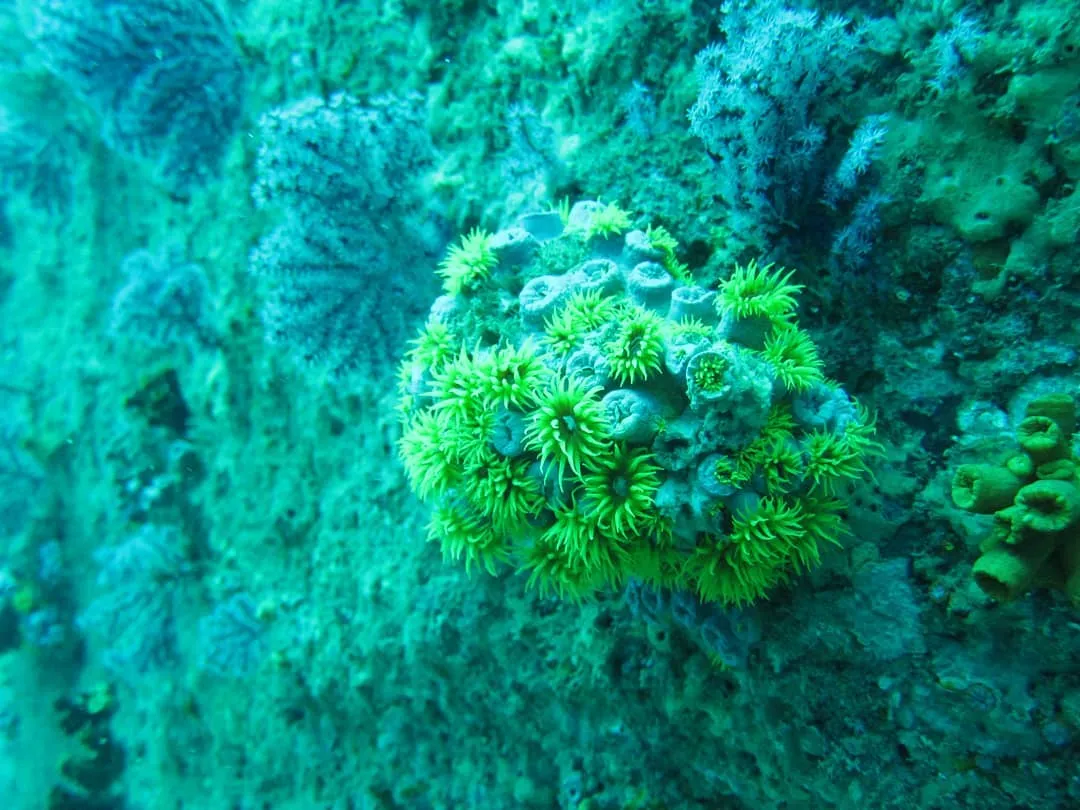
(794, 358)
(718, 574)
(620, 487)
(468, 263)
(832, 459)
(608, 221)
(637, 349)
(554, 571)
(755, 291)
(577, 532)
(428, 456)
(511, 376)
(433, 347)
(568, 426)
(660, 239)
(585, 311)
(463, 533)
(503, 490)
(457, 386)
(608, 425)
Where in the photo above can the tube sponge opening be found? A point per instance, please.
(1048, 506)
(1001, 576)
(1008, 571)
(1061, 408)
(984, 488)
(1041, 438)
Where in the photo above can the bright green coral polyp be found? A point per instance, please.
(428, 455)
(718, 573)
(584, 312)
(512, 377)
(759, 291)
(609, 221)
(502, 489)
(707, 375)
(465, 534)
(568, 427)
(794, 358)
(468, 263)
(619, 488)
(636, 351)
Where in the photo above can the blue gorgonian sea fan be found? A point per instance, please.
(134, 615)
(232, 638)
(165, 76)
(349, 266)
(37, 161)
(165, 301)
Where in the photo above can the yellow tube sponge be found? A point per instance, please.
(1061, 408)
(1007, 571)
(984, 488)
(1070, 563)
(1062, 469)
(1042, 439)
(1035, 537)
(1021, 465)
(1002, 530)
(1047, 507)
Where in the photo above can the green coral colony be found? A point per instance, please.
(577, 408)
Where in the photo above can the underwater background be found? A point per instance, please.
(649, 404)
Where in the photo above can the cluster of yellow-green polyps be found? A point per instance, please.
(578, 409)
(1034, 497)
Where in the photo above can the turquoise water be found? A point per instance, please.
(582, 406)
